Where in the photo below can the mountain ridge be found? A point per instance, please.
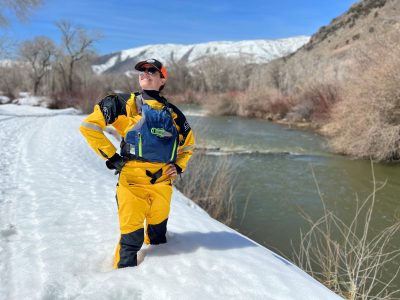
(254, 51)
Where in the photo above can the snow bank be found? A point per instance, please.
(34, 111)
(27, 99)
(59, 227)
(4, 100)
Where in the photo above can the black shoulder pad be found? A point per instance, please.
(125, 96)
(181, 121)
(113, 106)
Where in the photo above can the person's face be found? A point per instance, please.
(150, 78)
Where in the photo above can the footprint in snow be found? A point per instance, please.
(9, 233)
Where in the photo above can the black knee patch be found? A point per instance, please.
(130, 244)
(157, 233)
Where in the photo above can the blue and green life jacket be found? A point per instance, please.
(154, 138)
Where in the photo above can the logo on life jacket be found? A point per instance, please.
(160, 132)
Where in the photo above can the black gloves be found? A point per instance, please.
(116, 162)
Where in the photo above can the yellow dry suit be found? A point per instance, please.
(143, 191)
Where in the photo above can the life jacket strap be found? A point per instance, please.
(154, 176)
(139, 102)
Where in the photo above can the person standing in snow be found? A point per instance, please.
(157, 144)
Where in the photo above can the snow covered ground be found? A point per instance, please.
(25, 98)
(59, 227)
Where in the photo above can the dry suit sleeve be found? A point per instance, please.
(92, 129)
(185, 151)
(112, 110)
(186, 139)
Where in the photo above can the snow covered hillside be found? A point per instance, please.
(256, 51)
(59, 227)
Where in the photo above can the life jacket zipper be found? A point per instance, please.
(173, 151)
(140, 144)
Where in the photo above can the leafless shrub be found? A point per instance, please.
(264, 77)
(315, 102)
(214, 74)
(91, 90)
(300, 112)
(216, 81)
(347, 257)
(209, 183)
(267, 103)
(13, 79)
(367, 123)
(220, 74)
(180, 77)
(225, 104)
(187, 97)
(280, 106)
(255, 107)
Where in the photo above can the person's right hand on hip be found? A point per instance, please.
(171, 171)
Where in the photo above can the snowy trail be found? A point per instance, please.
(59, 227)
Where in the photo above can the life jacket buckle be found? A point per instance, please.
(154, 176)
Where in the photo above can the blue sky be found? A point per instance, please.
(126, 24)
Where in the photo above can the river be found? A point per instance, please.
(274, 179)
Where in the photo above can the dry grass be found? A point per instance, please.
(348, 258)
(209, 183)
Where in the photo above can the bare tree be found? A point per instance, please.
(77, 45)
(221, 74)
(180, 78)
(13, 79)
(21, 8)
(39, 53)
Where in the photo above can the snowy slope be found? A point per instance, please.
(58, 230)
(253, 51)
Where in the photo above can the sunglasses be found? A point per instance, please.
(150, 71)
